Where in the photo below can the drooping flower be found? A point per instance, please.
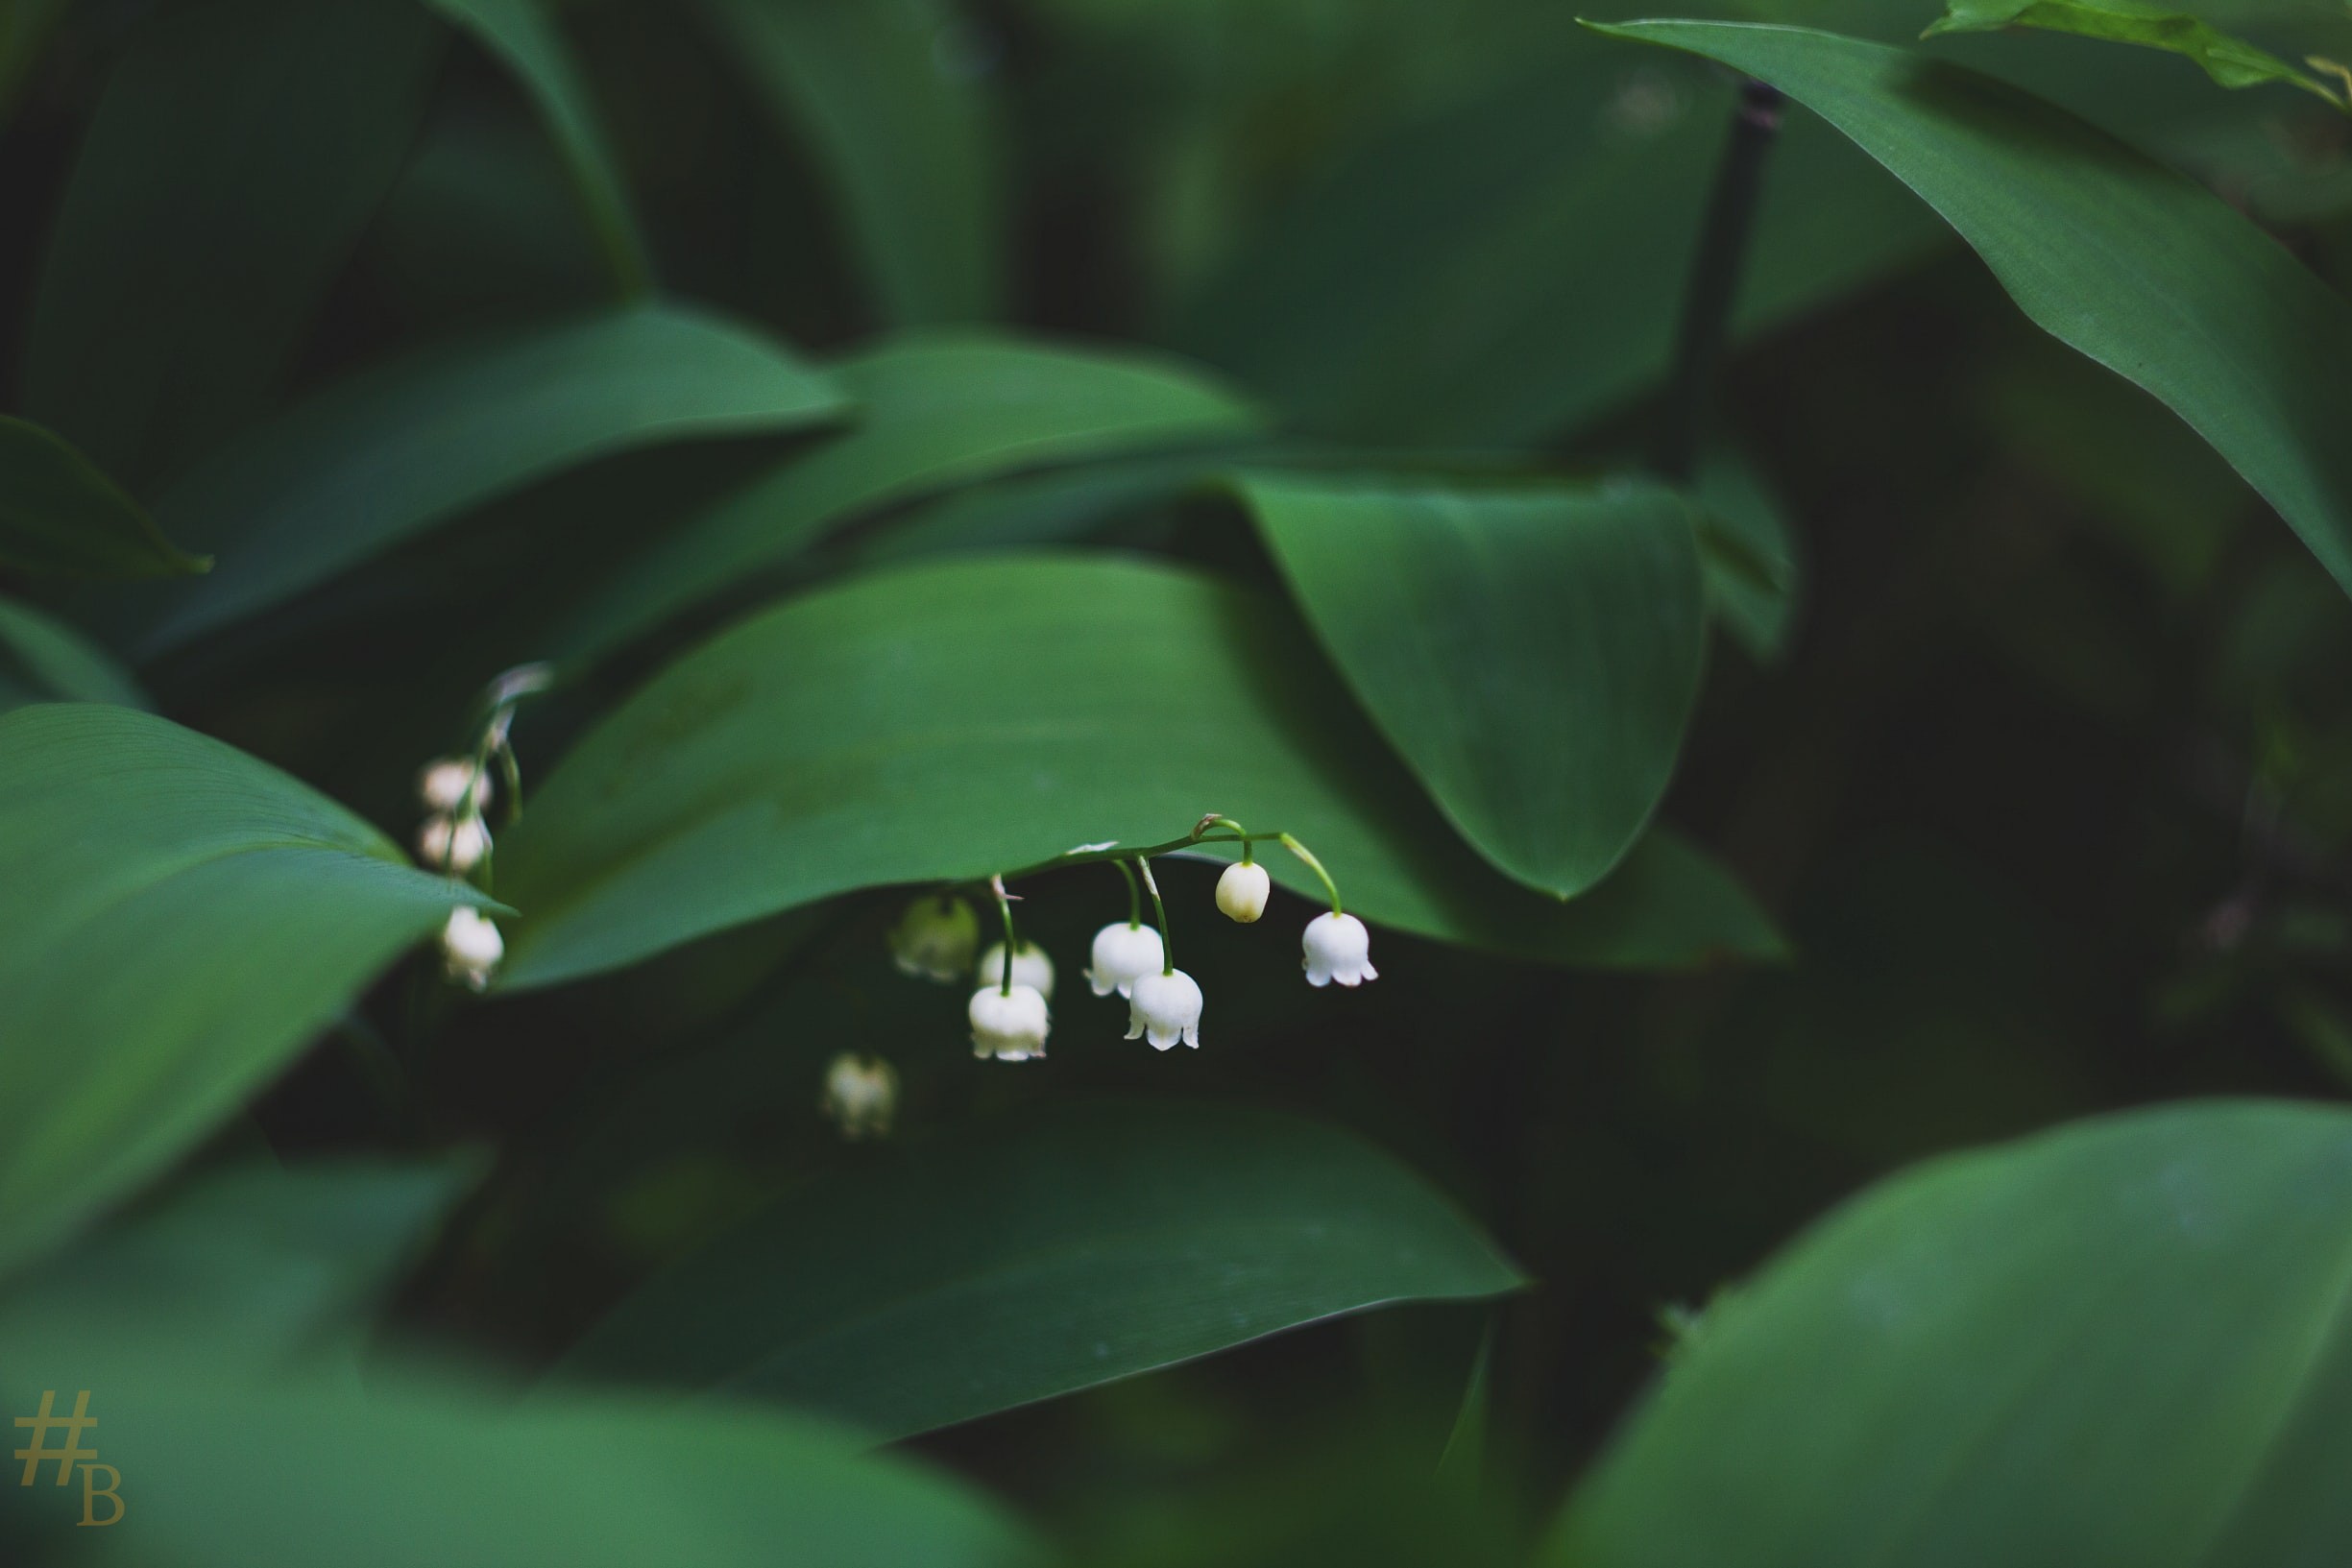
(861, 1094)
(1009, 1028)
(1030, 967)
(936, 939)
(1243, 890)
(1122, 953)
(470, 946)
(443, 785)
(1338, 948)
(1164, 1009)
(453, 844)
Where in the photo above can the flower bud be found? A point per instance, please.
(1242, 891)
(1011, 1029)
(1165, 1008)
(453, 844)
(935, 939)
(1123, 952)
(862, 1094)
(442, 785)
(470, 946)
(1030, 967)
(1338, 948)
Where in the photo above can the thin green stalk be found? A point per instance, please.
(1003, 907)
(1134, 896)
(1316, 866)
(1167, 944)
(1714, 280)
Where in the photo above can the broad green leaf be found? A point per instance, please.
(263, 1260)
(2117, 1342)
(2105, 249)
(932, 412)
(181, 921)
(59, 515)
(225, 1469)
(1040, 1255)
(955, 718)
(1531, 652)
(395, 450)
(882, 94)
(44, 660)
(2233, 63)
(239, 149)
(522, 35)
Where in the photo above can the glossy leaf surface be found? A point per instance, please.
(2120, 1341)
(998, 1280)
(1532, 653)
(182, 920)
(2103, 248)
(949, 720)
(398, 450)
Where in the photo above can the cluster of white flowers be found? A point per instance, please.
(455, 792)
(455, 838)
(1008, 1012)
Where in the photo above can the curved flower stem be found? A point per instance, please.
(1003, 907)
(1249, 849)
(1167, 946)
(510, 772)
(1134, 896)
(1316, 866)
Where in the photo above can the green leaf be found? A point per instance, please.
(1188, 1229)
(2105, 249)
(44, 660)
(58, 514)
(933, 412)
(263, 1261)
(2119, 1342)
(228, 1469)
(522, 35)
(182, 919)
(240, 148)
(1531, 652)
(882, 96)
(954, 718)
(394, 450)
(2233, 63)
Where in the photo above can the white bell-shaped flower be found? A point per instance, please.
(1242, 892)
(470, 946)
(936, 939)
(442, 785)
(1338, 948)
(1008, 1026)
(1030, 967)
(1164, 1009)
(453, 844)
(861, 1094)
(1122, 954)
